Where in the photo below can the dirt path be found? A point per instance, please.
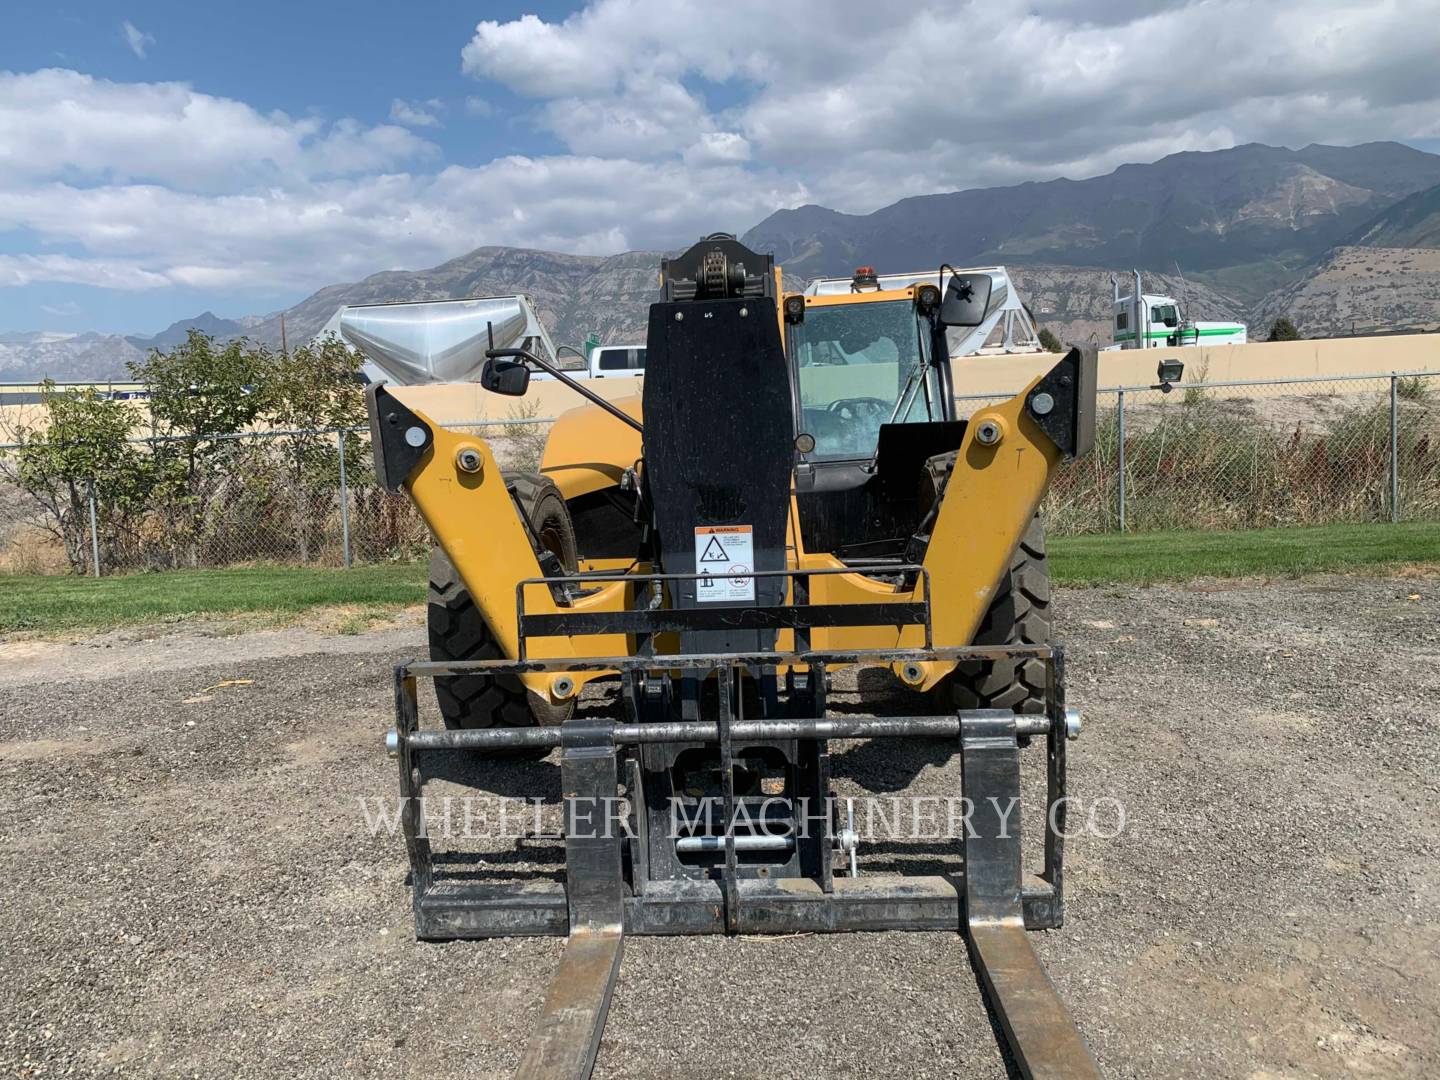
(191, 890)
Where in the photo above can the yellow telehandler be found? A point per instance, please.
(791, 493)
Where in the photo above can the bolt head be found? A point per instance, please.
(1042, 404)
(988, 433)
(392, 743)
(415, 436)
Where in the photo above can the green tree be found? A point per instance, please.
(1049, 342)
(200, 392)
(311, 393)
(1283, 329)
(80, 449)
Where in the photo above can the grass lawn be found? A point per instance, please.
(49, 604)
(1142, 558)
(62, 603)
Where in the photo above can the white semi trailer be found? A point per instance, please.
(437, 341)
(1150, 321)
(434, 341)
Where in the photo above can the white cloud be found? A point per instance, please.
(138, 40)
(870, 103)
(58, 123)
(417, 113)
(142, 236)
(651, 118)
(717, 147)
(152, 185)
(66, 269)
(678, 119)
(539, 58)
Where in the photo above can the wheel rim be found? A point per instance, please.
(552, 539)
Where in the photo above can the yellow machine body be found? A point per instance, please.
(914, 525)
(992, 495)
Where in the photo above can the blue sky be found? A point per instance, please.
(338, 60)
(298, 57)
(158, 159)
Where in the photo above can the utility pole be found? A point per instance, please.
(284, 346)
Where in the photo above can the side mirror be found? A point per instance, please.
(505, 377)
(966, 300)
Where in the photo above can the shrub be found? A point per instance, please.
(1283, 329)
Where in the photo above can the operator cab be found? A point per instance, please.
(873, 405)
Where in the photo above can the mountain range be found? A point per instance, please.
(66, 357)
(1244, 219)
(1340, 239)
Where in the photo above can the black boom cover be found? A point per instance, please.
(719, 449)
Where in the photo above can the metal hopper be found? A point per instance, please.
(438, 340)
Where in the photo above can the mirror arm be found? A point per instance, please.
(579, 388)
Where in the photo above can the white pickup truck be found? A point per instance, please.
(603, 362)
(617, 361)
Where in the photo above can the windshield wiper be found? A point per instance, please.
(902, 407)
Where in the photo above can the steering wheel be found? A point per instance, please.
(861, 408)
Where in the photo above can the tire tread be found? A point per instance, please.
(457, 630)
(1018, 615)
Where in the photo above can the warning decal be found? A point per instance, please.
(724, 559)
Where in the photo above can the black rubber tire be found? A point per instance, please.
(1019, 615)
(458, 631)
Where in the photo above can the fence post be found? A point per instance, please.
(94, 532)
(1120, 423)
(344, 502)
(1394, 448)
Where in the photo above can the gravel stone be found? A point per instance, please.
(190, 888)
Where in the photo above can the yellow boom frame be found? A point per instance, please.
(992, 494)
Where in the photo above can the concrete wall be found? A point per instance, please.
(1318, 359)
(1221, 363)
(449, 403)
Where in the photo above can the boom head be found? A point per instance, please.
(719, 432)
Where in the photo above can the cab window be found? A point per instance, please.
(857, 367)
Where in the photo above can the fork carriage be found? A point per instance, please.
(644, 854)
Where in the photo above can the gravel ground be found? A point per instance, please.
(190, 888)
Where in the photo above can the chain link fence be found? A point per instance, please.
(1245, 455)
(295, 497)
(1201, 456)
